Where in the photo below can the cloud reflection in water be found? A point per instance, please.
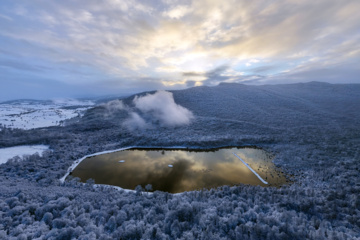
(191, 169)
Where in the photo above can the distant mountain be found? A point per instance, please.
(274, 104)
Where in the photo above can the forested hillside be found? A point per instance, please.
(313, 129)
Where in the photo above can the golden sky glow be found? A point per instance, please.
(128, 46)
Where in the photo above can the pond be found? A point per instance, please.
(179, 170)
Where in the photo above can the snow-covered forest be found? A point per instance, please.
(28, 114)
(313, 130)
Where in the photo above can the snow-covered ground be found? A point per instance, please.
(10, 152)
(312, 129)
(28, 114)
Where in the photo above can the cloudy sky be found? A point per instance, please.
(76, 48)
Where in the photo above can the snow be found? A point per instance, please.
(72, 102)
(312, 131)
(170, 165)
(247, 165)
(77, 162)
(29, 114)
(10, 152)
(121, 161)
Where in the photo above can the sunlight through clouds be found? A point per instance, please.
(94, 44)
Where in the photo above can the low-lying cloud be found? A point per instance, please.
(135, 122)
(151, 110)
(162, 108)
(72, 102)
(114, 105)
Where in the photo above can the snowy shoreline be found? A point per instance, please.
(252, 170)
(78, 161)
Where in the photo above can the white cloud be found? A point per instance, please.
(151, 110)
(114, 106)
(92, 43)
(135, 122)
(178, 12)
(162, 107)
(249, 63)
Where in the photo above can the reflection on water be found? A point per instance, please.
(179, 170)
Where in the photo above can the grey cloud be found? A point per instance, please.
(217, 71)
(20, 66)
(263, 69)
(347, 74)
(32, 87)
(135, 122)
(190, 83)
(110, 45)
(114, 106)
(253, 79)
(214, 77)
(193, 74)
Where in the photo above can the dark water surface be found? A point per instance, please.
(179, 170)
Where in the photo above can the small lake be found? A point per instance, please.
(179, 170)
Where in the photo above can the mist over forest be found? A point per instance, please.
(311, 128)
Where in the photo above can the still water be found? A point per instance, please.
(179, 170)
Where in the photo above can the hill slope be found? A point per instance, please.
(312, 128)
